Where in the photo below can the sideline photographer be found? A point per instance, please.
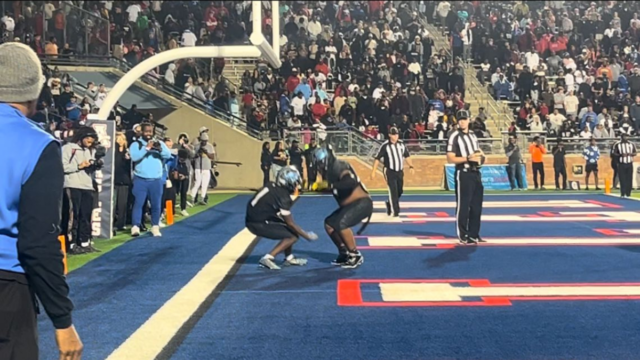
(205, 153)
(80, 159)
(148, 156)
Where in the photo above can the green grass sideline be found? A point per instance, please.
(76, 261)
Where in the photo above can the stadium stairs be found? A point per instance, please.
(234, 68)
(477, 95)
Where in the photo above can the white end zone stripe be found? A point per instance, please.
(412, 217)
(409, 241)
(492, 204)
(149, 340)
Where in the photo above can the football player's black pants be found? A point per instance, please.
(469, 198)
(395, 183)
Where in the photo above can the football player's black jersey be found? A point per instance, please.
(333, 178)
(269, 204)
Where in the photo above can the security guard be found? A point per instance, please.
(395, 153)
(464, 151)
(625, 151)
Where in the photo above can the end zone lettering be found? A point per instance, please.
(475, 292)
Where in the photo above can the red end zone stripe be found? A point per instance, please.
(604, 204)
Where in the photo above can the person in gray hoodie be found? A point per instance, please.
(78, 160)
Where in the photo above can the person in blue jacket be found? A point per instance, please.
(31, 186)
(148, 156)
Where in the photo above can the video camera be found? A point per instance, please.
(99, 153)
(156, 144)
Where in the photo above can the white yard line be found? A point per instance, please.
(149, 340)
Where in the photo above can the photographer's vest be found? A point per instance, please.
(21, 145)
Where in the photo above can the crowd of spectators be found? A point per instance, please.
(364, 64)
(570, 68)
(367, 65)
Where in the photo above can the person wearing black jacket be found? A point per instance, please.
(265, 162)
(312, 172)
(122, 180)
(30, 209)
(560, 165)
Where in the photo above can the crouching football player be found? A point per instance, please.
(269, 216)
(354, 202)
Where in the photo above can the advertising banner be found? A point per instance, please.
(494, 177)
(102, 217)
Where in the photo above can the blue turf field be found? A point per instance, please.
(294, 313)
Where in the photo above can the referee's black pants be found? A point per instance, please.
(625, 173)
(469, 197)
(395, 182)
(18, 324)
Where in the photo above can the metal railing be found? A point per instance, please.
(474, 88)
(573, 145)
(85, 32)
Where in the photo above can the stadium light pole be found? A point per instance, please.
(259, 48)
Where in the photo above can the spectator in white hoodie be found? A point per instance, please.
(170, 74)
(188, 38)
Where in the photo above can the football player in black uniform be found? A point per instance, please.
(269, 216)
(355, 206)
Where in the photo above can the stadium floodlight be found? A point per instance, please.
(260, 48)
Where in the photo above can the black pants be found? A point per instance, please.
(265, 176)
(122, 198)
(312, 176)
(18, 325)
(80, 209)
(395, 183)
(469, 197)
(561, 171)
(616, 177)
(350, 215)
(271, 230)
(625, 172)
(538, 168)
(182, 188)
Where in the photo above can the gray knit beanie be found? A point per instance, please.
(21, 77)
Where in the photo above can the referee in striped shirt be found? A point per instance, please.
(625, 151)
(464, 151)
(395, 153)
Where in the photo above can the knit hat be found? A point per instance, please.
(21, 79)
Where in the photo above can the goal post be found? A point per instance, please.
(259, 48)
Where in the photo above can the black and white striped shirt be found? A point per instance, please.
(625, 150)
(463, 145)
(393, 154)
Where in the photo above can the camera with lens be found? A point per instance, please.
(156, 144)
(99, 152)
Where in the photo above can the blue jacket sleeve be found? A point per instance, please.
(137, 151)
